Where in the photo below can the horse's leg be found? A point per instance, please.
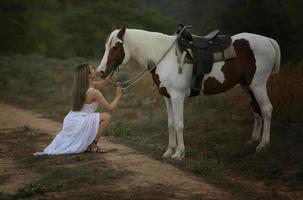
(256, 134)
(172, 143)
(177, 100)
(260, 92)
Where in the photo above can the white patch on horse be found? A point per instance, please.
(112, 40)
(216, 73)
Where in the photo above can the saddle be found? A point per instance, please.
(202, 52)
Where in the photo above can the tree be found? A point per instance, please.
(65, 28)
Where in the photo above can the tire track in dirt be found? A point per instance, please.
(144, 170)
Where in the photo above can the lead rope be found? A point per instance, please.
(134, 80)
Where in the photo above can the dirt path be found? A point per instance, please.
(144, 170)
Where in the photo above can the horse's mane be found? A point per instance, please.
(147, 46)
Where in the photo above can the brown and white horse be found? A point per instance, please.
(257, 58)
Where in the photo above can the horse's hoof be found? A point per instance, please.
(261, 147)
(166, 156)
(251, 143)
(178, 156)
(169, 152)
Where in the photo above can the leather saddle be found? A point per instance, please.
(200, 50)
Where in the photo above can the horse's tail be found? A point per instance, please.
(276, 67)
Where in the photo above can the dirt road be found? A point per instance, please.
(144, 171)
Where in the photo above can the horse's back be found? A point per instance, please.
(261, 45)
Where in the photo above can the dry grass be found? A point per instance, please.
(216, 127)
(285, 92)
(216, 130)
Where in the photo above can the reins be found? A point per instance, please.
(135, 79)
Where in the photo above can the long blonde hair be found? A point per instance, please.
(80, 86)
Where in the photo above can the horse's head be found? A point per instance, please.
(115, 53)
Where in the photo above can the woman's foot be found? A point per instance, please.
(93, 148)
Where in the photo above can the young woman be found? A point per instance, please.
(82, 126)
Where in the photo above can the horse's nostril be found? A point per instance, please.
(102, 74)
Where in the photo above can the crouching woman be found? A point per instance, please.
(83, 126)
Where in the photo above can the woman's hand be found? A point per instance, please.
(100, 84)
(95, 84)
(118, 90)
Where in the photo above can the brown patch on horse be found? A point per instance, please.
(116, 55)
(162, 90)
(236, 70)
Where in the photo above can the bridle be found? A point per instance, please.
(135, 79)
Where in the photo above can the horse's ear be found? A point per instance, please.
(121, 33)
(114, 27)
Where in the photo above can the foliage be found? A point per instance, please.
(271, 18)
(278, 19)
(63, 28)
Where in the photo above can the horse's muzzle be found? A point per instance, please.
(102, 74)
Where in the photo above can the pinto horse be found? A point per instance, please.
(258, 57)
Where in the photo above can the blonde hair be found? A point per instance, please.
(80, 86)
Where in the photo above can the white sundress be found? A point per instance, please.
(79, 130)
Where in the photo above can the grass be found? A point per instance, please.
(5, 196)
(69, 179)
(216, 131)
(207, 168)
(286, 93)
(216, 127)
(215, 147)
(36, 83)
(55, 174)
(76, 176)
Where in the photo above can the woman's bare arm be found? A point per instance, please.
(98, 96)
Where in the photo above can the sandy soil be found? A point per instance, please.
(144, 171)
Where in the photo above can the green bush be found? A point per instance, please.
(66, 29)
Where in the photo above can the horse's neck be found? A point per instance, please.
(146, 47)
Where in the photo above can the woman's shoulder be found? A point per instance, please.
(90, 89)
(93, 91)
